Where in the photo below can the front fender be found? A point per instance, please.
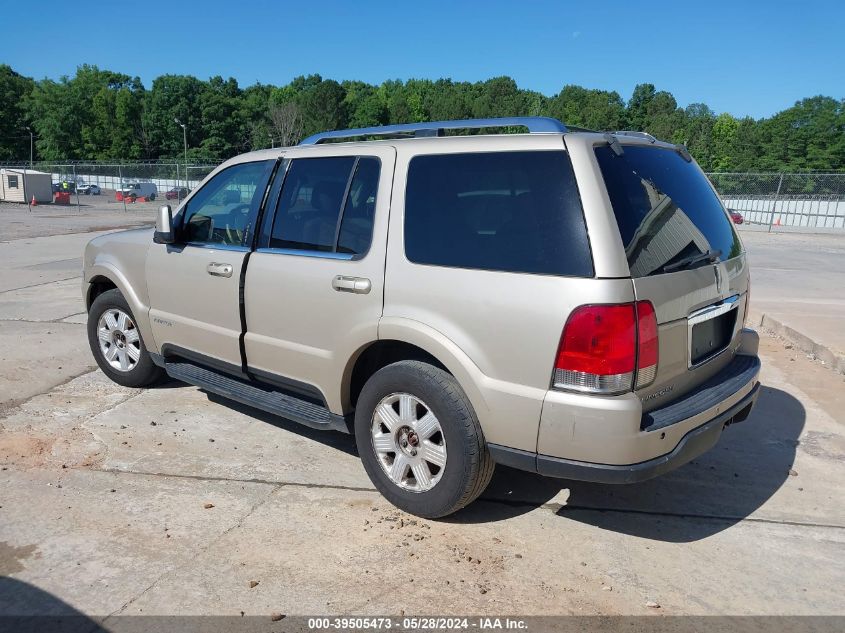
(140, 309)
(123, 264)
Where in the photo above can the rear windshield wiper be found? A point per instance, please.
(710, 256)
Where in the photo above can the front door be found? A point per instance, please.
(314, 287)
(194, 284)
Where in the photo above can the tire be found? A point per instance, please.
(467, 464)
(121, 335)
(152, 198)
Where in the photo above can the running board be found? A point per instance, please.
(258, 396)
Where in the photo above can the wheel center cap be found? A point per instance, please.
(408, 441)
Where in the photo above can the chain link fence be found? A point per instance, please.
(172, 180)
(810, 200)
(790, 200)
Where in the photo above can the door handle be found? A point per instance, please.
(219, 270)
(358, 285)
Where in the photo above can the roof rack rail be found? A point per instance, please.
(636, 134)
(535, 125)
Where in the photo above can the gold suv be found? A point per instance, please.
(561, 301)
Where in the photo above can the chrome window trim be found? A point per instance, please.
(221, 247)
(306, 253)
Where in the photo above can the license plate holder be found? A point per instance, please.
(711, 330)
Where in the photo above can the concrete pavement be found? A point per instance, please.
(798, 290)
(104, 494)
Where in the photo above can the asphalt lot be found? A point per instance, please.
(104, 494)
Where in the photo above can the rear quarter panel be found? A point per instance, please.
(498, 332)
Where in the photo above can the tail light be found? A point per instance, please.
(603, 348)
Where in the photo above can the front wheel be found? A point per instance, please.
(117, 344)
(420, 441)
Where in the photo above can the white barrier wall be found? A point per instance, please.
(815, 213)
(114, 182)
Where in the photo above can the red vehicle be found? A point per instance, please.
(177, 193)
(736, 216)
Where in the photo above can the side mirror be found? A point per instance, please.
(164, 226)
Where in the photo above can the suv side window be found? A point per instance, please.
(508, 211)
(327, 205)
(220, 212)
(356, 227)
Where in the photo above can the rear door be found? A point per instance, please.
(314, 287)
(684, 256)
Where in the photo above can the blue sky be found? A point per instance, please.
(746, 58)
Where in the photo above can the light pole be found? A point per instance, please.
(28, 129)
(185, 140)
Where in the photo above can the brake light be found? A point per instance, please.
(602, 346)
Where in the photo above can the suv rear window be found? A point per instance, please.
(666, 209)
(504, 211)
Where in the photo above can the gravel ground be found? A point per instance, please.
(94, 213)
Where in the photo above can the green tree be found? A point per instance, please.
(323, 107)
(173, 97)
(15, 90)
(104, 114)
(746, 153)
(809, 135)
(592, 109)
(364, 104)
(254, 115)
(664, 119)
(223, 134)
(638, 117)
(723, 134)
(697, 134)
(112, 128)
(450, 101)
(497, 97)
(57, 120)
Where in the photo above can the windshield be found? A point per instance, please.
(669, 217)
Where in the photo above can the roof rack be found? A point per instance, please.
(535, 125)
(636, 134)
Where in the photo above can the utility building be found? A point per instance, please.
(20, 185)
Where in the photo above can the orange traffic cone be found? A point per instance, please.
(34, 202)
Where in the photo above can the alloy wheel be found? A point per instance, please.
(120, 343)
(409, 442)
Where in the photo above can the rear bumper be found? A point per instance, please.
(694, 442)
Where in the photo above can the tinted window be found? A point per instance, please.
(13, 182)
(665, 208)
(308, 210)
(220, 212)
(356, 227)
(509, 211)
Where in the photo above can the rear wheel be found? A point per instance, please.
(117, 344)
(420, 441)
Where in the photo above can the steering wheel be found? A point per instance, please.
(234, 236)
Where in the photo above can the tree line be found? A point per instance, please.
(105, 115)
